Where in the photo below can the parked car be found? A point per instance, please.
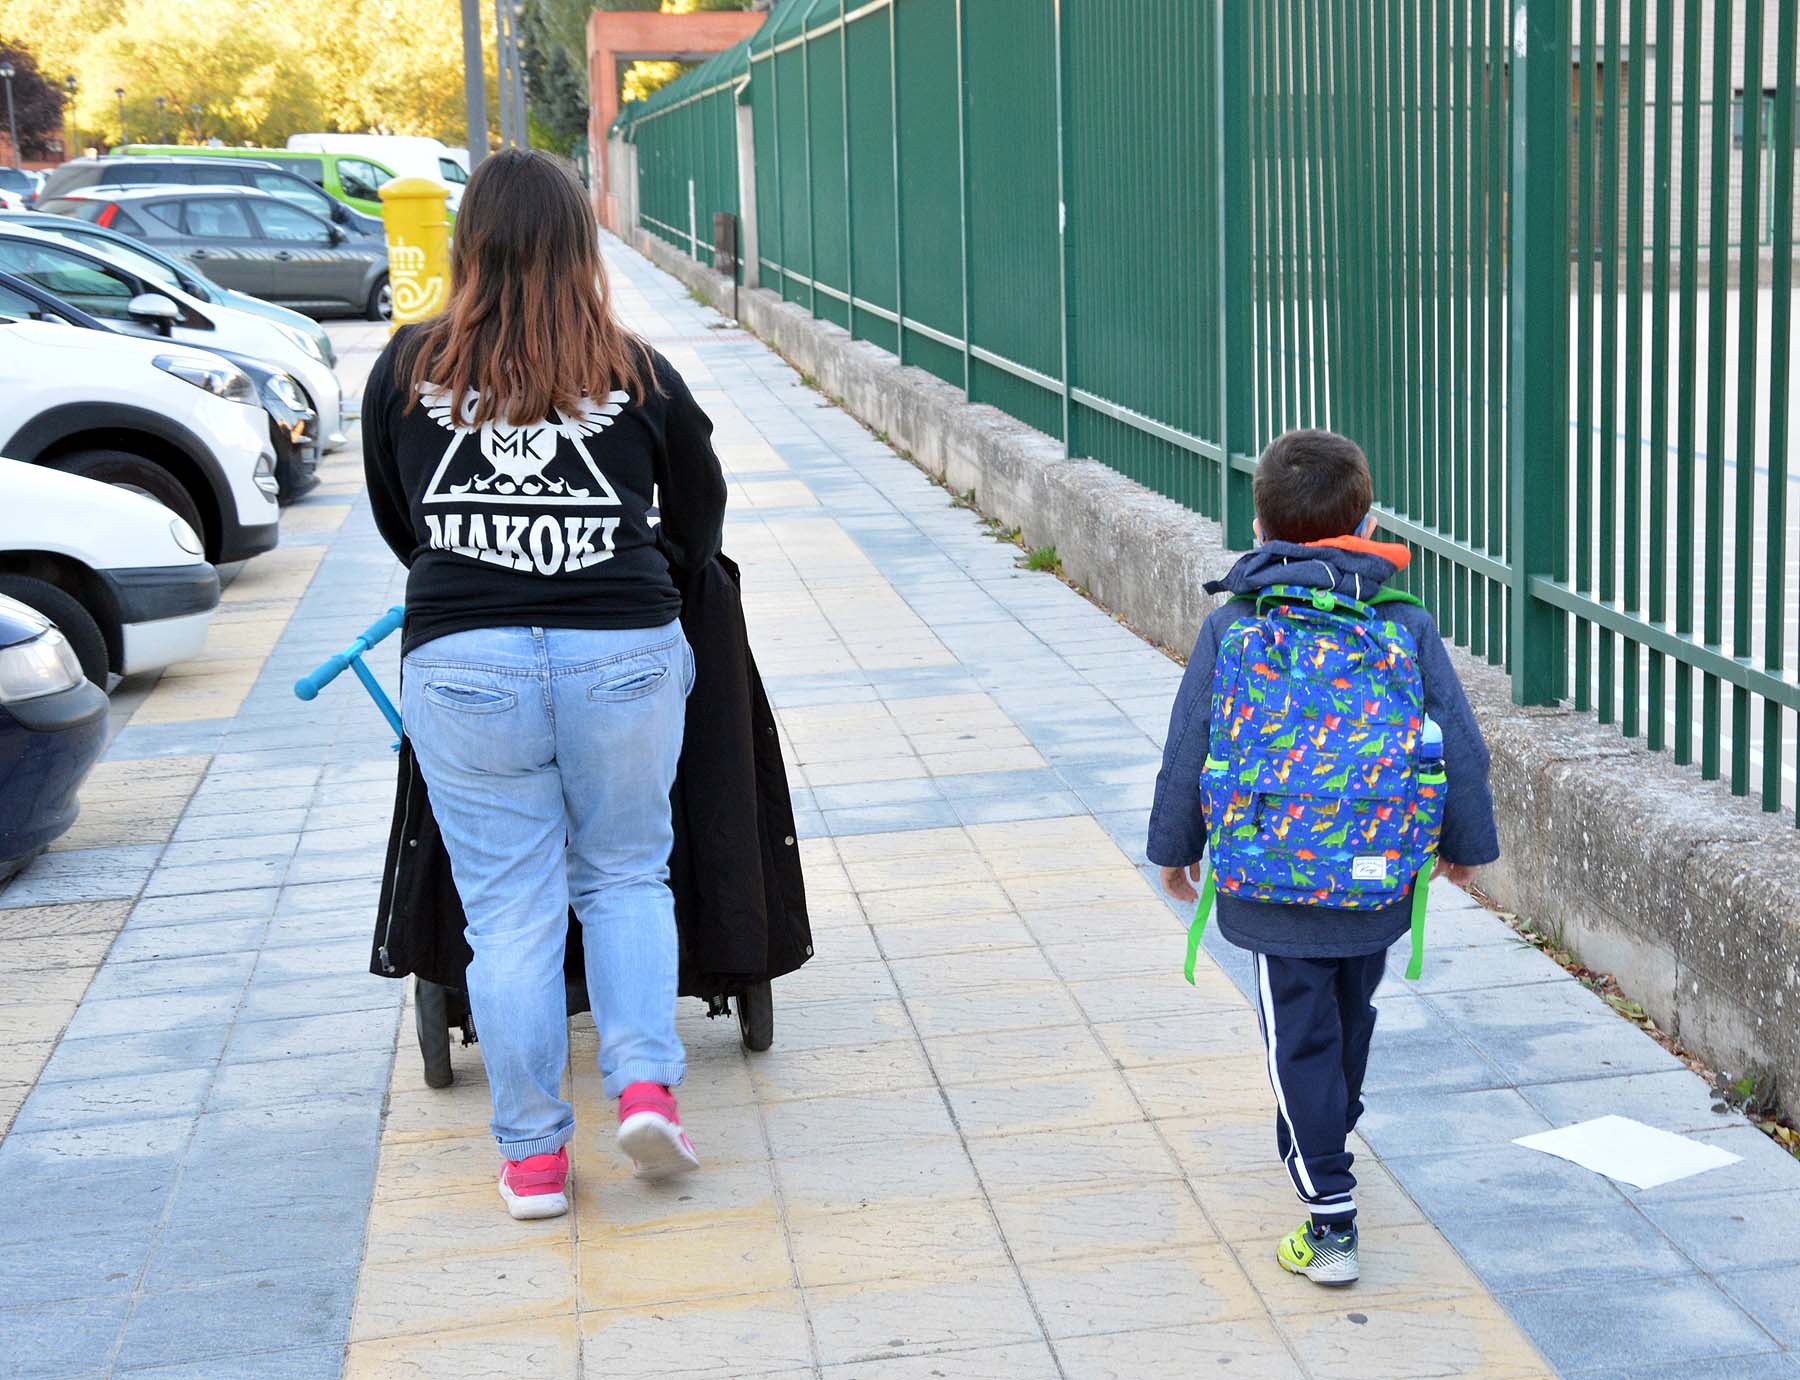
(293, 425)
(354, 179)
(308, 334)
(52, 731)
(18, 183)
(123, 579)
(252, 242)
(409, 155)
(146, 170)
(178, 425)
(135, 295)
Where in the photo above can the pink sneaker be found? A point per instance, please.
(536, 1186)
(650, 1132)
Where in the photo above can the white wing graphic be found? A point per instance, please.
(438, 408)
(589, 417)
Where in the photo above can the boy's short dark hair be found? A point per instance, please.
(1310, 485)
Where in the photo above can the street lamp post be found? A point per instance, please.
(162, 123)
(119, 91)
(72, 86)
(474, 83)
(521, 122)
(503, 72)
(12, 123)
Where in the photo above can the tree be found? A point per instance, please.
(37, 105)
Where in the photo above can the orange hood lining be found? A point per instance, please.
(1396, 554)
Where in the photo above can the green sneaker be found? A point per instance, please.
(1325, 1255)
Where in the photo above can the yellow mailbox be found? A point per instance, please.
(415, 212)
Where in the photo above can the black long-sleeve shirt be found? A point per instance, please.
(546, 524)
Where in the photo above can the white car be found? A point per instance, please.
(125, 579)
(123, 288)
(180, 425)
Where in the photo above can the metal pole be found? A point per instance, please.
(12, 123)
(1537, 306)
(71, 86)
(1237, 401)
(474, 83)
(162, 119)
(502, 72)
(119, 91)
(521, 121)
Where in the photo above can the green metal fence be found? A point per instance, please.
(686, 139)
(1535, 259)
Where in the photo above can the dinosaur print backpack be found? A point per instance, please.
(1324, 781)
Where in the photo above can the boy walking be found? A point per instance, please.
(1322, 744)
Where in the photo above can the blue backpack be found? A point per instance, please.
(1324, 784)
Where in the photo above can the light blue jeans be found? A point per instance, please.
(549, 754)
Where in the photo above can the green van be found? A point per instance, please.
(352, 178)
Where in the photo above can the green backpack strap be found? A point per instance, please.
(1396, 596)
(1197, 930)
(1421, 886)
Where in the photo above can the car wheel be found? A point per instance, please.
(70, 617)
(381, 301)
(126, 471)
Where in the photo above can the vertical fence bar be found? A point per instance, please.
(1658, 458)
(1444, 382)
(1686, 386)
(1463, 467)
(1293, 283)
(1067, 314)
(806, 163)
(962, 163)
(1614, 91)
(1537, 310)
(1776, 590)
(1744, 463)
(1587, 57)
(1231, 42)
(1633, 518)
(1718, 240)
(1479, 303)
(1499, 172)
(899, 201)
(849, 194)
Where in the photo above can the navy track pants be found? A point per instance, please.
(1317, 1017)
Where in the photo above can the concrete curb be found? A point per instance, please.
(1690, 896)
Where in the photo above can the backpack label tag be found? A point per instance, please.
(1373, 869)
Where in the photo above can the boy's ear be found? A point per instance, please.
(1367, 529)
(1256, 530)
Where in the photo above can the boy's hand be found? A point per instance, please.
(1179, 881)
(1456, 872)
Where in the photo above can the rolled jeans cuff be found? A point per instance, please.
(669, 1075)
(542, 1145)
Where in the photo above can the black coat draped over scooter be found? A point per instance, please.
(740, 899)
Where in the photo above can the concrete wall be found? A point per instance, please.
(1689, 896)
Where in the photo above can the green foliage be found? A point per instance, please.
(1043, 558)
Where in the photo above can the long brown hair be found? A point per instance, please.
(529, 324)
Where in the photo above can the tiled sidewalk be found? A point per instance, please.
(997, 1136)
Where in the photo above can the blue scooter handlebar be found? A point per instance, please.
(309, 685)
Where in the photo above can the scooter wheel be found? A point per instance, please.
(756, 1017)
(432, 1015)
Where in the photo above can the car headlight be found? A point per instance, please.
(304, 341)
(185, 537)
(220, 379)
(288, 393)
(45, 665)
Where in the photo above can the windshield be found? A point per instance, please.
(15, 180)
(141, 264)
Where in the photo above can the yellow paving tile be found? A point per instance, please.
(1222, 1084)
(283, 573)
(1090, 1222)
(735, 1335)
(888, 1241)
(441, 1164)
(1055, 1102)
(422, 1228)
(70, 917)
(459, 1289)
(647, 1270)
(546, 1347)
(1126, 1293)
(1257, 1208)
(1466, 1336)
(310, 518)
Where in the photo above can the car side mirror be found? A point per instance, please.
(153, 306)
(337, 235)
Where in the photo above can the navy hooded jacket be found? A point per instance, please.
(1358, 568)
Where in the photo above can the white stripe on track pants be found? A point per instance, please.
(1317, 1017)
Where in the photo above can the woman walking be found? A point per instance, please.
(514, 447)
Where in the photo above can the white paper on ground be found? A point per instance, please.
(1621, 1148)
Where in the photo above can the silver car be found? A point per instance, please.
(251, 241)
